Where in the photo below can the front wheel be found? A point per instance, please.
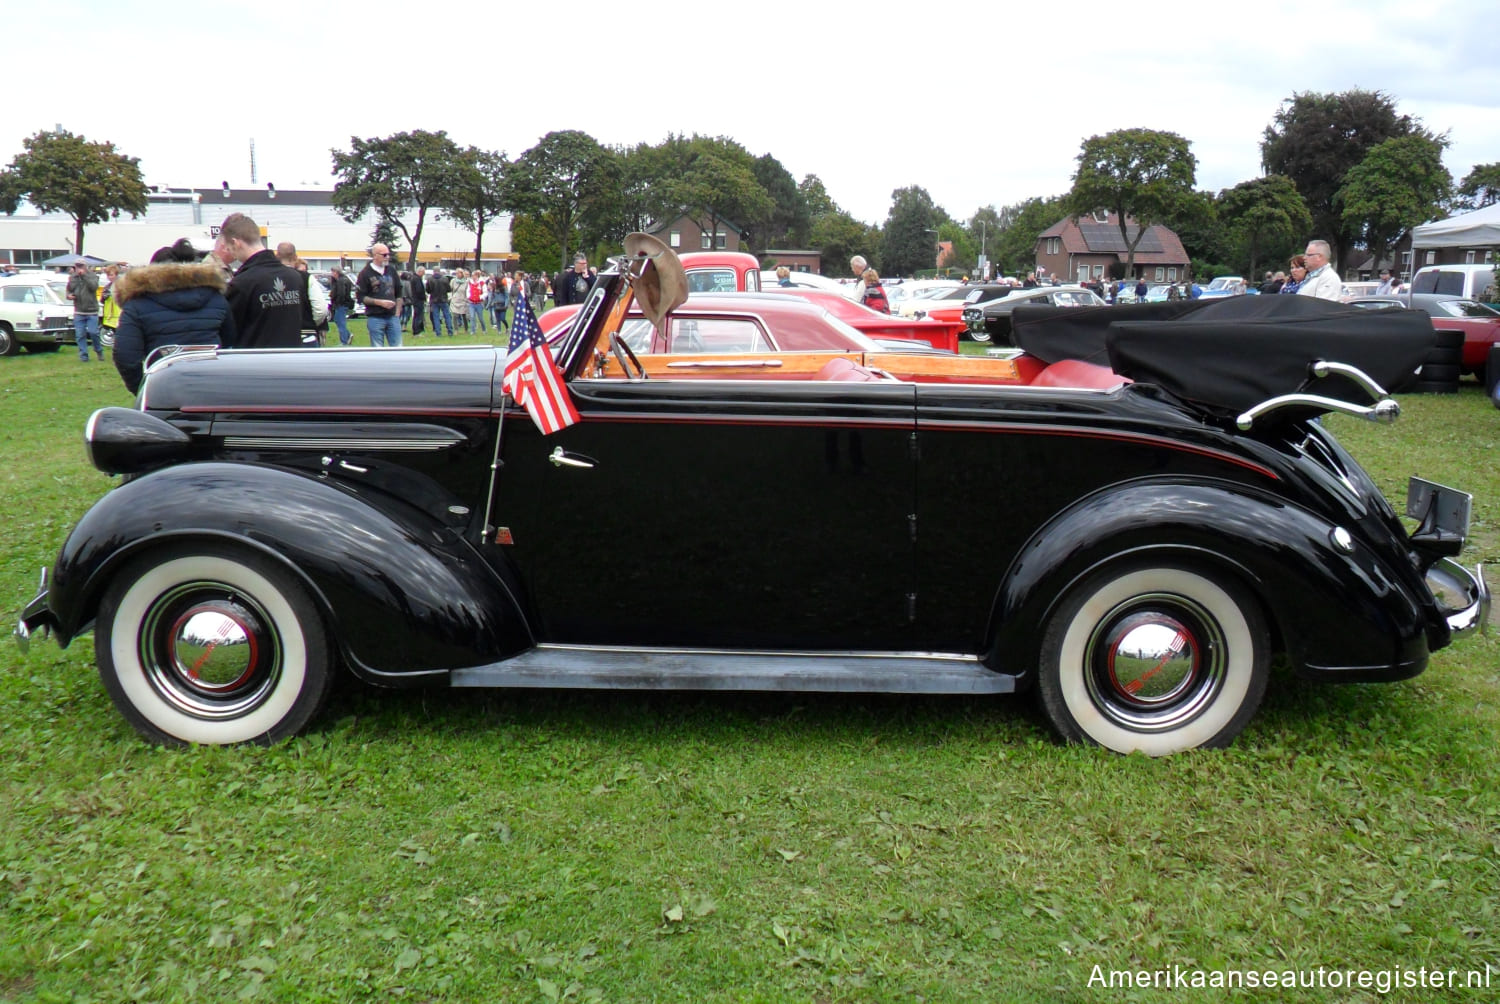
(1157, 659)
(8, 344)
(212, 645)
(980, 335)
(107, 336)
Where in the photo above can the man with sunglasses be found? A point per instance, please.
(265, 296)
(379, 288)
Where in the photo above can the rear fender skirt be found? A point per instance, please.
(407, 598)
(1328, 608)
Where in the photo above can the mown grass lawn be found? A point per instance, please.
(563, 846)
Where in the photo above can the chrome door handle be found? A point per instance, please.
(561, 459)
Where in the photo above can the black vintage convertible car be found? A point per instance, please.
(1175, 515)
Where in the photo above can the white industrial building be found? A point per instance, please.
(306, 218)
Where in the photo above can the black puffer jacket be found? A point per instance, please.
(168, 304)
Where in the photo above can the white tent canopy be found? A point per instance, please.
(1478, 229)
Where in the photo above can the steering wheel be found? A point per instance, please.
(622, 352)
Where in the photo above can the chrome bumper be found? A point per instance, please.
(36, 616)
(1464, 598)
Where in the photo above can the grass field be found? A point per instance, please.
(728, 848)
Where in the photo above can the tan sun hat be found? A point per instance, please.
(662, 288)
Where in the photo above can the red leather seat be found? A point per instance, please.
(842, 369)
(1077, 373)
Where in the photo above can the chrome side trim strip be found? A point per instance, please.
(329, 443)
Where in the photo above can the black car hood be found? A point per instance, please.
(1230, 354)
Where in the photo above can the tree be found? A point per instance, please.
(1400, 183)
(410, 171)
(1316, 139)
(571, 184)
(533, 241)
(838, 237)
(787, 222)
(1142, 174)
(909, 241)
(1014, 247)
(385, 233)
(815, 196)
(1264, 216)
(61, 172)
(983, 226)
(480, 194)
(1480, 186)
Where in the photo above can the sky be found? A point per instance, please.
(988, 109)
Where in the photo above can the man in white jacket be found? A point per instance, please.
(1322, 281)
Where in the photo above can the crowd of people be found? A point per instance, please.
(244, 295)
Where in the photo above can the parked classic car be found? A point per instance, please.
(1479, 322)
(32, 314)
(760, 322)
(1174, 516)
(990, 322)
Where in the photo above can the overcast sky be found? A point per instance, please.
(989, 109)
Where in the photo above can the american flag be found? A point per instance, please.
(532, 378)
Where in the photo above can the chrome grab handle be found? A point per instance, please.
(725, 364)
(1385, 409)
(561, 459)
(1323, 368)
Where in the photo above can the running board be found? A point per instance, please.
(704, 669)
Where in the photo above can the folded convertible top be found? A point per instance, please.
(1230, 354)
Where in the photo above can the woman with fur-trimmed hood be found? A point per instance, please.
(172, 301)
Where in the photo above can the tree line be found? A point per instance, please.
(1345, 167)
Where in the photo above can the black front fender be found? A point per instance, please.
(1337, 614)
(406, 597)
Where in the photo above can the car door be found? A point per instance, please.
(768, 514)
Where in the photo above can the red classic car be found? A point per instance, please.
(721, 271)
(937, 333)
(1479, 322)
(736, 271)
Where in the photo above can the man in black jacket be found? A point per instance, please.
(573, 286)
(265, 296)
(419, 302)
(341, 299)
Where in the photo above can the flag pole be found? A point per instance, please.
(496, 463)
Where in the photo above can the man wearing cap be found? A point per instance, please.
(574, 286)
(83, 290)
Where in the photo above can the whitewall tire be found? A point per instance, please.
(212, 645)
(1155, 659)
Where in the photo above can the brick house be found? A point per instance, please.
(684, 233)
(1084, 248)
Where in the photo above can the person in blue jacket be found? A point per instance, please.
(172, 301)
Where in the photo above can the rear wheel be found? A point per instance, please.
(107, 337)
(1158, 659)
(212, 645)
